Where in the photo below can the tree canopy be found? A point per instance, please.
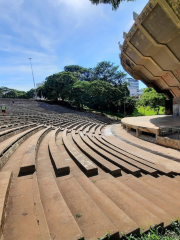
(152, 99)
(106, 71)
(115, 3)
(11, 93)
(102, 87)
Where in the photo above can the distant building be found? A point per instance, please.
(39, 84)
(134, 87)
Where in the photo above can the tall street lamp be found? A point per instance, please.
(33, 77)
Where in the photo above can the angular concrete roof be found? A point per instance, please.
(151, 49)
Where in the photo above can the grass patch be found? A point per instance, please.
(139, 111)
(78, 215)
(147, 111)
(172, 233)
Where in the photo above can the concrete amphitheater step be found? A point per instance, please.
(165, 188)
(60, 167)
(81, 160)
(91, 220)
(25, 216)
(139, 214)
(28, 165)
(5, 181)
(79, 125)
(88, 128)
(11, 132)
(61, 223)
(75, 125)
(123, 165)
(117, 147)
(99, 129)
(154, 195)
(11, 126)
(121, 221)
(144, 168)
(149, 205)
(83, 127)
(100, 199)
(111, 168)
(10, 145)
(93, 130)
(171, 182)
(11, 140)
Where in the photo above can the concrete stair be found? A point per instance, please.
(83, 183)
(60, 167)
(28, 165)
(118, 162)
(103, 163)
(5, 181)
(84, 162)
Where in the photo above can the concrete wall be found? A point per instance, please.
(151, 49)
(164, 141)
(176, 107)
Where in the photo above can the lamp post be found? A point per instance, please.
(33, 77)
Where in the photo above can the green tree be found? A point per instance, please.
(11, 93)
(152, 99)
(65, 85)
(59, 85)
(115, 3)
(80, 94)
(50, 88)
(30, 93)
(102, 95)
(81, 73)
(106, 71)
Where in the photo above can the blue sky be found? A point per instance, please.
(58, 33)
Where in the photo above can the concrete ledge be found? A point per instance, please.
(28, 165)
(10, 149)
(168, 142)
(60, 167)
(5, 181)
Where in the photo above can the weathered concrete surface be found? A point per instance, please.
(151, 50)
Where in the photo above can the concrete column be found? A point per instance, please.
(123, 125)
(128, 128)
(138, 132)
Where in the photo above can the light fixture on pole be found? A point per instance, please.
(33, 77)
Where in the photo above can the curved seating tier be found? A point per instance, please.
(65, 175)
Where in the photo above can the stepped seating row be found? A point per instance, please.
(28, 165)
(97, 149)
(10, 132)
(56, 121)
(10, 126)
(11, 144)
(5, 181)
(72, 182)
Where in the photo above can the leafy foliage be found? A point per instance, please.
(172, 233)
(115, 3)
(59, 85)
(100, 88)
(82, 74)
(106, 71)
(11, 93)
(152, 99)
